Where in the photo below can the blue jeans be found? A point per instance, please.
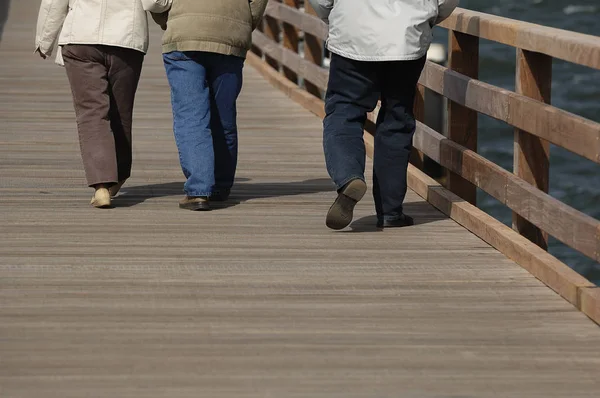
(353, 90)
(204, 90)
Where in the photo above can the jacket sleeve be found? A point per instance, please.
(157, 6)
(445, 8)
(323, 8)
(257, 8)
(50, 21)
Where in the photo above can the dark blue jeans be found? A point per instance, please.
(204, 90)
(354, 89)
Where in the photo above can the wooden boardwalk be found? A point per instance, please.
(257, 298)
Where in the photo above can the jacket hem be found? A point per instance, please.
(378, 58)
(205, 46)
(104, 43)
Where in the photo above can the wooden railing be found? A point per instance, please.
(528, 110)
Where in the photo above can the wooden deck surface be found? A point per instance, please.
(257, 298)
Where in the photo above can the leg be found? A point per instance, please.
(225, 79)
(352, 92)
(87, 73)
(190, 98)
(393, 139)
(124, 69)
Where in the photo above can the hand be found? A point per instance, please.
(44, 56)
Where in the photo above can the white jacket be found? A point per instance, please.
(119, 23)
(382, 30)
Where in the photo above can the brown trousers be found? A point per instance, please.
(104, 80)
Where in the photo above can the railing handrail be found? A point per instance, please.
(569, 46)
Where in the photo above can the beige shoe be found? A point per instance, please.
(114, 190)
(101, 198)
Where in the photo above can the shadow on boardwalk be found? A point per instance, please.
(242, 191)
(4, 9)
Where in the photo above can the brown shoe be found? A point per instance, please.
(101, 199)
(341, 212)
(114, 190)
(195, 203)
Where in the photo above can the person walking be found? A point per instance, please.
(102, 46)
(379, 49)
(204, 47)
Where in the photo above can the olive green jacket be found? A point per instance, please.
(219, 26)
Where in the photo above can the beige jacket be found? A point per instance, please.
(218, 26)
(119, 23)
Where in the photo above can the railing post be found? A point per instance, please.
(313, 51)
(272, 30)
(290, 40)
(462, 122)
(416, 157)
(532, 154)
(254, 48)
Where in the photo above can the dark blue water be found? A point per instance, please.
(573, 180)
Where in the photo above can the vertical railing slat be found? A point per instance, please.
(532, 154)
(462, 122)
(313, 51)
(291, 40)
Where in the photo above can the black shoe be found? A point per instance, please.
(341, 212)
(403, 221)
(195, 203)
(220, 196)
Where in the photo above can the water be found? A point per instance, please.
(573, 180)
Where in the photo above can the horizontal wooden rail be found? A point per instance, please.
(572, 132)
(301, 20)
(572, 227)
(291, 60)
(569, 46)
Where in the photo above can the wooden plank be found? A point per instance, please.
(462, 121)
(532, 154)
(313, 52)
(569, 46)
(572, 132)
(568, 225)
(290, 39)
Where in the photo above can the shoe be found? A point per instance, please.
(403, 221)
(195, 203)
(114, 190)
(101, 199)
(220, 196)
(341, 212)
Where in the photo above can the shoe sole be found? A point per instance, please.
(102, 202)
(341, 212)
(195, 206)
(102, 205)
(407, 222)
